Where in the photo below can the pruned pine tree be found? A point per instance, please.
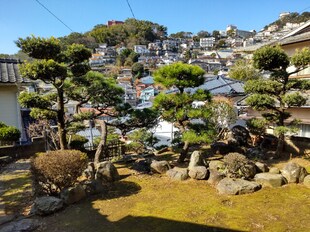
(177, 107)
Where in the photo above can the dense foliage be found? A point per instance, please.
(8, 133)
(130, 33)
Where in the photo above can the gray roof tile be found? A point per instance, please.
(9, 71)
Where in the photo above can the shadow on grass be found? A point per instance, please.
(84, 217)
(15, 194)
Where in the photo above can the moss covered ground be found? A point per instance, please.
(156, 203)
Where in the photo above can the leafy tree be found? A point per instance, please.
(52, 65)
(137, 70)
(216, 34)
(106, 99)
(177, 108)
(127, 57)
(243, 70)
(203, 34)
(257, 127)
(276, 94)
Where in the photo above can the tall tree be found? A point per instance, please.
(177, 108)
(106, 99)
(53, 65)
(276, 94)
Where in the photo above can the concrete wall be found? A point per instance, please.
(9, 109)
(23, 151)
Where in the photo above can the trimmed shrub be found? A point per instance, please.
(56, 170)
(77, 142)
(9, 133)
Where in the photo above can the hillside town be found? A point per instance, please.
(97, 118)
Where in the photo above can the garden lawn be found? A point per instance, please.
(156, 203)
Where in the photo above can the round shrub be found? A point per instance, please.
(9, 133)
(56, 170)
(77, 142)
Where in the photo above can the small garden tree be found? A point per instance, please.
(53, 64)
(276, 94)
(177, 108)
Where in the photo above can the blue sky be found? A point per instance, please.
(21, 18)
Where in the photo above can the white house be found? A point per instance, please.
(10, 82)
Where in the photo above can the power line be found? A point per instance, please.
(131, 9)
(304, 9)
(54, 15)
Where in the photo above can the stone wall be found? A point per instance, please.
(23, 151)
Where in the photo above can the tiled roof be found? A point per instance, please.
(9, 72)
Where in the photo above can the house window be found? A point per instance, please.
(304, 130)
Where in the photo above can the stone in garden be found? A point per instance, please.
(307, 181)
(198, 172)
(160, 167)
(46, 205)
(268, 179)
(195, 160)
(215, 176)
(178, 173)
(89, 172)
(106, 172)
(217, 165)
(237, 186)
(142, 166)
(261, 167)
(294, 173)
(274, 170)
(26, 224)
(92, 187)
(220, 148)
(73, 194)
(255, 152)
(241, 135)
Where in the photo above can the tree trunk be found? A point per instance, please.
(61, 120)
(280, 146)
(103, 140)
(183, 153)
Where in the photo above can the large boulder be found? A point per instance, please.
(261, 167)
(195, 160)
(241, 135)
(274, 170)
(160, 167)
(92, 187)
(294, 173)
(215, 176)
(237, 186)
(269, 179)
(217, 165)
(46, 205)
(73, 194)
(25, 224)
(307, 181)
(142, 166)
(198, 172)
(238, 166)
(255, 153)
(220, 148)
(106, 172)
(177, 173)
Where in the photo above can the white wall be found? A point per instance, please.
(9, 109)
